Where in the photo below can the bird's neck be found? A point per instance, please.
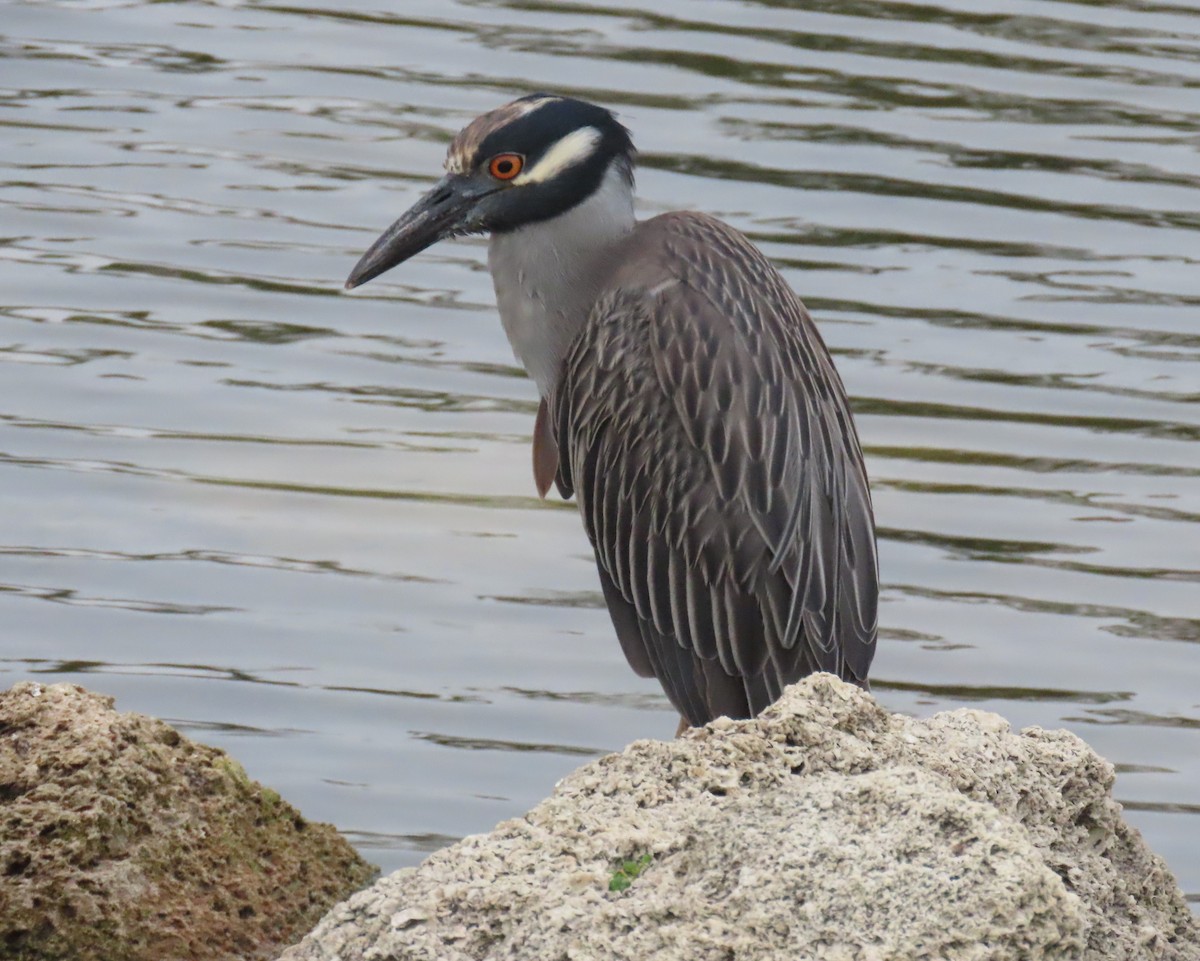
(548, 275)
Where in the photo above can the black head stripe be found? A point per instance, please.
(535, 132)
(532, 126)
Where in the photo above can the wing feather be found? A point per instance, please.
(709, 439)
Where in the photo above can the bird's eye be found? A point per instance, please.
(505, 166)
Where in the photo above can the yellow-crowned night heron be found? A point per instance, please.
(687, 400)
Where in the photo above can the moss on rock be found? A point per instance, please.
(122, 840)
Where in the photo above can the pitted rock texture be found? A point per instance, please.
(121, 840)
(826, 829)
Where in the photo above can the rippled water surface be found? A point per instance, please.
(301, 524)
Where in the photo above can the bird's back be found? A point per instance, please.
(703, 427)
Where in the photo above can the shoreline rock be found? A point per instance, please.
(122, 840)
(827, 829)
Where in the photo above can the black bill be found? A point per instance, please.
(443, 212)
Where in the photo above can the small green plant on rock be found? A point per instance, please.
(627, 873)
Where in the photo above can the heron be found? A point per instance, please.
(687, 401)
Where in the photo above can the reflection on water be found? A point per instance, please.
(992, 210)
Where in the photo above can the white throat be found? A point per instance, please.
(548, 275)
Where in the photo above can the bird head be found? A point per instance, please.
(528, 161)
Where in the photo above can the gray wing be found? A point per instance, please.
(702, 425)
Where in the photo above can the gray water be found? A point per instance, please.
(301, 524)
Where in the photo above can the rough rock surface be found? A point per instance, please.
(826, 829)
(122, 840)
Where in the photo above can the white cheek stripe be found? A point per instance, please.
(574, 148)
(529, 106)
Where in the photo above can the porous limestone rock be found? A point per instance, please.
(827, 829)
(121, 840)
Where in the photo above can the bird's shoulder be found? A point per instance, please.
(709, 294)
(696, 248)
(708, 306)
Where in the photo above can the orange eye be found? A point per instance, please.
(505, 166)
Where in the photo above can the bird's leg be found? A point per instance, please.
(683, 726)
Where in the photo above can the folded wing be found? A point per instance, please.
(702, 425)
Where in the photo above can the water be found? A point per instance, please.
(301, 524)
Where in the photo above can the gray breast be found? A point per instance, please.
(548, 275)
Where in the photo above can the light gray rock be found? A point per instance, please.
(827, 829)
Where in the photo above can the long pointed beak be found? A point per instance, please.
(440, 213)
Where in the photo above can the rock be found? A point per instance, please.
(122, 840)
(827, 829)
